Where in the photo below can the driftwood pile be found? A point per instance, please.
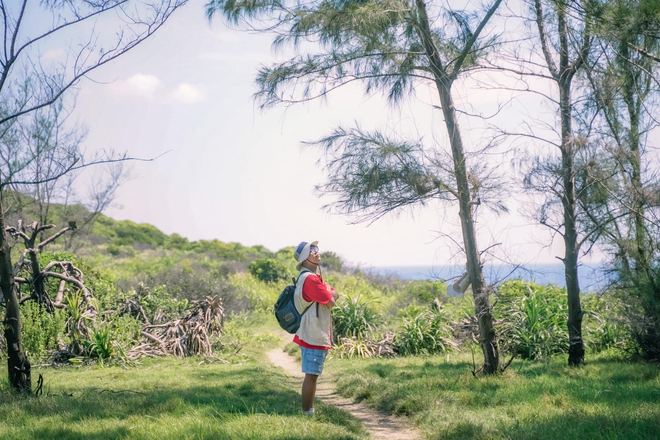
(365, 347)
(189, 335)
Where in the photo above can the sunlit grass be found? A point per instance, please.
(171, 398)
(605, 399)
(199, 398)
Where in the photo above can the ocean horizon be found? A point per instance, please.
(592, 277)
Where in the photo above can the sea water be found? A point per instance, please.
(591, 277)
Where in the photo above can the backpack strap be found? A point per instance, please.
(295, 283)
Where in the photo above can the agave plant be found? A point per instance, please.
(604, 333)
(426, 333)
(533, 319)
(353, 317)
(79, 323)
(100, 345)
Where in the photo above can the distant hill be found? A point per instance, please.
(98, 233)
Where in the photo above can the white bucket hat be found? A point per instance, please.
(302, 252)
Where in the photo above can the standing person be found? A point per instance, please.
(315, 333)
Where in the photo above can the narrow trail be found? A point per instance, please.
(380, 426)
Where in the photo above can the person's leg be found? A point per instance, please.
(308, 392)
(312, 366)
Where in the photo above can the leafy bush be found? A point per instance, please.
(256, 296)
(159, 305)
(332, 261)
(189, 283)
(606, 322)
(419, 293)
(126, 232)
(425, 291)
(377, 296)
(353, 317)
(533, 319)
(100, 282)
(428, 332)
(268, 270)
(42, 331)
(124, 330)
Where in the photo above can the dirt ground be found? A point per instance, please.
(380, 426)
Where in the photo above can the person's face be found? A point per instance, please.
(314, 255)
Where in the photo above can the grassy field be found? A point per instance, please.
(172, 399)
(246, 398)
(606, 399)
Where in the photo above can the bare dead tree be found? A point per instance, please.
(35, 277)
(29, 83)
(48, 136)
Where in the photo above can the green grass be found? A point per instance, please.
(606, 399)
(173, 399)
(199, 398)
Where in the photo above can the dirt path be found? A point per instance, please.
(380, 426)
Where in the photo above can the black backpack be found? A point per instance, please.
(286, 313)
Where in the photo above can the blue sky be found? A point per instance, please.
(237, 174)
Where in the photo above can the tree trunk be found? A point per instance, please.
(480, 290)
(38, 281)
(18, 364)
(576, 343)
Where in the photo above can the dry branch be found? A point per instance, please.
(189, 335)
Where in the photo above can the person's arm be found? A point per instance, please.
(334, 294)
(315, 289)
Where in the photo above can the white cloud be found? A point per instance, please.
(144, 84)
(187, 94)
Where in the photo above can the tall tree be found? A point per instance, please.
(390, 46)
(48, 47)
(625, 95)
(564, 33)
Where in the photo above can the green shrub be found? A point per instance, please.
(124, 330)
(78, 322)
(256, 296)
(533, 319)
(426, 333)
(100, 282)
(159, 305)
(605, 323)
(194, 284)
(353, 317)
(268, 270)
(425, 291)
(42, 331)
(332, 261)
(601, 333)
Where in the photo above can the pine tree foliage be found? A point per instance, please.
(389, 47)
(376, 42)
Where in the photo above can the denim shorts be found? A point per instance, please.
(313, 360)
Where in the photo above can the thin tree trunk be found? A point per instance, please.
(576, 343)
(480, 291)
(17, 362)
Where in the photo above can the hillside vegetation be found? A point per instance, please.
(404, 347)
